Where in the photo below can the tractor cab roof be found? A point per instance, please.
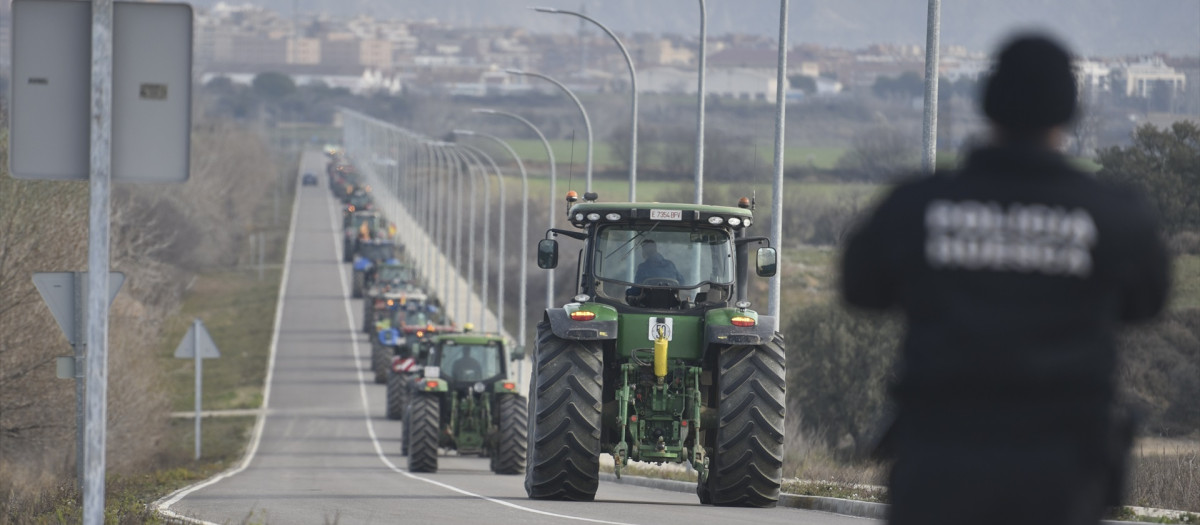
(585, 213)
(468, 338)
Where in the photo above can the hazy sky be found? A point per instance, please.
(1100, 27)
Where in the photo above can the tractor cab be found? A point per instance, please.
(659, 256)
(469, 361)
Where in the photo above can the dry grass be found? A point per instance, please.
(1166, 481)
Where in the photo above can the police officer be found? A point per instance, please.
(1012, 274)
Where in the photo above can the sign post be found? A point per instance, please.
(144, 74)
(66, 295)
(197, 344)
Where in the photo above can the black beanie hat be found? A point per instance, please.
(1032, 87)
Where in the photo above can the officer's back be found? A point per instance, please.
(1012, 273)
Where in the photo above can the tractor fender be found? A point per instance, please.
(723, 333)
(602, 328)
(361, 264)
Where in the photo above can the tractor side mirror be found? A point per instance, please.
(517, 353)
(767, 262)
(547, 254)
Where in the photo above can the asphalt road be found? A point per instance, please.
(327, 454)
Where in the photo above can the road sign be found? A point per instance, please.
(66, 301)
(197, 336)
(51, 95)
(198, 345)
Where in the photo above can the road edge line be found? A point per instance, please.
(163, 505)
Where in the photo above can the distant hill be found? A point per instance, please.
(1092, 27)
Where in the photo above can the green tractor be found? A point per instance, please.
(464, 399)
(659, 358)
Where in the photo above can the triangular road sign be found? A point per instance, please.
(58, 290)
(187, 347)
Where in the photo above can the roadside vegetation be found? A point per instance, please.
(185, 252)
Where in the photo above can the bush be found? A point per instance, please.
(838, 364)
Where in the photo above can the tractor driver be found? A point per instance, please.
(467, 368)
(653, 267)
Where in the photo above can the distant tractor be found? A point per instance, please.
(463, 399)
(360, 226)
(389, 280)
(369, 256)
(401, 318)
(659, 358)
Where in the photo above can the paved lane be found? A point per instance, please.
(327, 454)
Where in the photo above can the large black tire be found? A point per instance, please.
(422, 431)
(513, 436)
(368, 322)
(564, 445)
(397, 395)
(747, 465)
(356, 287)
(347, 251)
(381, 362)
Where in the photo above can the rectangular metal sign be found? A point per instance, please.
(51, 90)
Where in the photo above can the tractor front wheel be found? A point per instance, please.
(509, 456)
(422, 433)
(747, 464)
(564, 461)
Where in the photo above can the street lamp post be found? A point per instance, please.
(524, 255)
(553, 192)
(933, 29)
(633, 124)
(777, 184)
(487, 188)
(700, 90)
(587, 123)
(478, 153)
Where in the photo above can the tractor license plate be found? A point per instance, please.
(666, 215)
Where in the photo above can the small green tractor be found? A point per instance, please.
(464, 399)
(659, 357)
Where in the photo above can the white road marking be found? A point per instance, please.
(362, 389)
(164, 505)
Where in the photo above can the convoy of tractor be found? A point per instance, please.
(657, 358)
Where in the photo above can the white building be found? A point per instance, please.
(1140, 79)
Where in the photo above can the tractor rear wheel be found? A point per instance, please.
(424, 415)
(397, 394)
(747, 464)
(381, 362)
(509, 456)
(356, 288)
(564, 462)
(348, 251)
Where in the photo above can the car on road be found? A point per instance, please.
(309, 179)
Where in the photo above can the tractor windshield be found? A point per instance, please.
(377, 251)
(368, 218)
(415, 318)
(682, 257)
(471, 363)
(394, 273)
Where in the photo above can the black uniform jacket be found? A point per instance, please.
(1012, 275)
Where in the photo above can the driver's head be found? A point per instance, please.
(649, 249)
